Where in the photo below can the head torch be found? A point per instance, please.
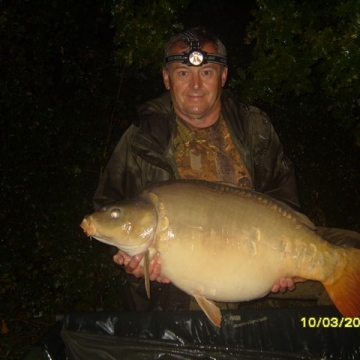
(195, 56)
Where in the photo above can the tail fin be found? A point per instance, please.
(345, 291)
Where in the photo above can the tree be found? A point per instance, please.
(302, 47)
(141, 29)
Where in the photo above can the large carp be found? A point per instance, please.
(222, 243)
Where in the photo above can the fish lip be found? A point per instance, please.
(89, 229)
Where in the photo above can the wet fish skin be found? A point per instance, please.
(218, 242)
(132, 221)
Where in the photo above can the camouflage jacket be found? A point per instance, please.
(144, 155)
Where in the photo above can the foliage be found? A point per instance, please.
(54, 102)
(140, 39)
(325, 159)
(302, 47)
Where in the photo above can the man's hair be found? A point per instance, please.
(203, 35)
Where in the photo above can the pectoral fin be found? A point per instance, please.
(146, 273)
(210, 309)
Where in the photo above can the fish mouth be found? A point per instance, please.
(89, 230)
(131, 250)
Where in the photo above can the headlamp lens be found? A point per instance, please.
(196, 58)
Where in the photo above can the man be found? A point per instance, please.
(195, 130)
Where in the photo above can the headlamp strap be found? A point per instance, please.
(195, 56)
(194, 43)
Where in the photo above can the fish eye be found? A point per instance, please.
(115, 213)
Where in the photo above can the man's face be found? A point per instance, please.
(195, 91)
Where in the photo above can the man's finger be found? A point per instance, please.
(133, 263)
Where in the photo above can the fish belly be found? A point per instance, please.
(224, 276)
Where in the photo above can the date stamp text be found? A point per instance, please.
(330, 322)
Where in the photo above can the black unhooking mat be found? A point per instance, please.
(305, 333)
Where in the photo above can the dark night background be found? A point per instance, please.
(64, 104)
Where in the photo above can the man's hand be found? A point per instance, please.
(132, 266)
(283, 285)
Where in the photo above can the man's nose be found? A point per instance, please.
(195, 81)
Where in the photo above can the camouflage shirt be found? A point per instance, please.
(209, 154)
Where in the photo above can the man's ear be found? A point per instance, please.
(166, 79)
(224, 75)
